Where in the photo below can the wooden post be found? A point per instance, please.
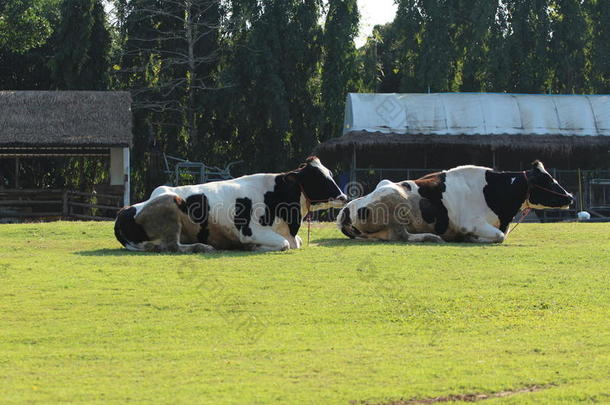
(127, 177)
(17, 165)
(64, 200)
(353, 168)
(580, 196)
(120, 171)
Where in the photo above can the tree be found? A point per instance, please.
(82, 44)
(496, 68)
(166, 62)
(527, 46)
(599, 15)
(568, 46)
(473, 35)
(302, 70)
(24, 25)
(408, 21)
(435, 65)
(339, 67)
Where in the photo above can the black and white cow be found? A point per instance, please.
(467, 203)
(261, 212)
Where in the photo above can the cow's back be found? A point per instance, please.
(209, 209)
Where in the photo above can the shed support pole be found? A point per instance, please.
(127, 177)
(17, 172)
(353, 168)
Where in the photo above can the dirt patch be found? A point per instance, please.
(459, 397)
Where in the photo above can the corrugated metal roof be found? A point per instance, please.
(478, 114)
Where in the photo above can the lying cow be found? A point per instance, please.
(467, 203)
(261, 212)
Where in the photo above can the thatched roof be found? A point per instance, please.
(65, 118)
(516, 121)
(562, 143)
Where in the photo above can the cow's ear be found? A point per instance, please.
(537, 165)
(405, 184)
(292, 177)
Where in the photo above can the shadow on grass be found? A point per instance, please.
(344, 242)
(323, 242)
(124, 252)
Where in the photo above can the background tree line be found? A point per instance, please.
(264, 81)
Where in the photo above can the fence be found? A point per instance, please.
(56, 203)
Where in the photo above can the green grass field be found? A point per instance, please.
(338, 322)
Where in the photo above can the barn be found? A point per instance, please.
(399, 136)
(39, 126)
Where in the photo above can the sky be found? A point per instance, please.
(374, 12)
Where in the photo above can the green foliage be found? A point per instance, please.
(265, 81)
(568, 46)
(599, 46)
(435, 67)
(85, 321)
(408, 22)
(339, 67)
(24, 24)
(528, 46)
(82, 44)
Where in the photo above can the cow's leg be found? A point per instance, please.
(424, 237)
(177, 248)
(401, 234)
(294, 241)
(267, 240)
(171, 242)
(195, 248)
(163, 221)
(483, 232)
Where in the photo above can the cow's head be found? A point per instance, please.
(317, 184)
(378, 215)
(544, 190)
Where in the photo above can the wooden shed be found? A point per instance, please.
(398, 136)
(498, 130)
(64, 124)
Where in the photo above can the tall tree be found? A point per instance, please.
(302, 69)
(528, 45)
(169, 49)
(599, 15)
(436, 60)
(568, 46)
(82, 44)
(368, 64)
(390, 57)
(473, 36)
(496, 68)
(408, 21)
(339, 67)
(24, 24)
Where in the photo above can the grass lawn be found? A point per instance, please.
(338, 322)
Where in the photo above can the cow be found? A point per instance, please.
(464, 204)
(260, 212)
